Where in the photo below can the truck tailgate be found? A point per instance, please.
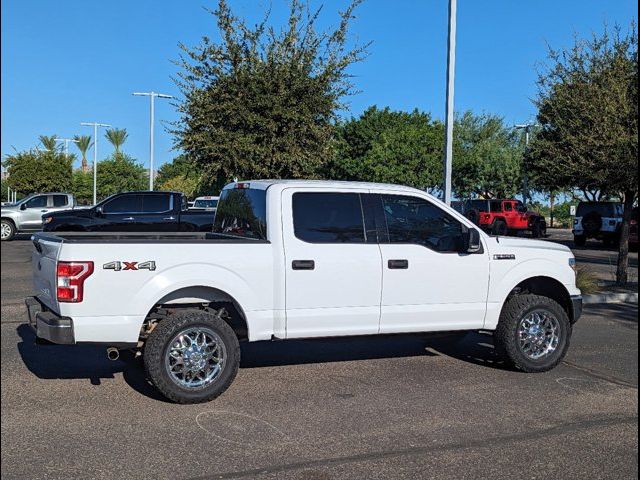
(43, 263)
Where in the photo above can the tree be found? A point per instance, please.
(39, 171)
(261, 101)
(180, 175)
(83, 142)
(49, 142)
(487, 157)
(588, 108)
(120, 173)
(82, 187)
(116, 137)
(389, 147)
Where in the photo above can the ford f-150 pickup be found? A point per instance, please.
(301, 259)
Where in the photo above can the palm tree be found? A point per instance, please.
(48, 142)
(83, 142)
(116, 136)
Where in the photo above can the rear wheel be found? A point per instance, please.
(8, 230)
(192, 356)
(533, 333)
(499, 228)
(539, 229)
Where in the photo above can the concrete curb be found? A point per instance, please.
(610, 298)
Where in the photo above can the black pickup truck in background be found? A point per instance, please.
(133, 212)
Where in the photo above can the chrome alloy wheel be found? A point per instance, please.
(538, 334)
(195, 357)
(5, 231)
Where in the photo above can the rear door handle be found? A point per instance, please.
(169, 218)
(129, 218)
(303, 264)
(398, 264)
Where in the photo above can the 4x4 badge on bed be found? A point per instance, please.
(117, 266)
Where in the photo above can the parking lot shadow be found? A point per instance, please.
(339, 349)
(476, 348)
(81, 361)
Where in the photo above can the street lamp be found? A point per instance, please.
(152, 96)
(451, 76)
(525, 178)
(66, 144)
(95, 126)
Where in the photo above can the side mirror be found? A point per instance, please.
(472, 243)
(99, 211)
(23, 206)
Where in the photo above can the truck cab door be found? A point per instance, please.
(158, 213)
(333, 270)
(118, 214)
(429, 282)
(32, 211)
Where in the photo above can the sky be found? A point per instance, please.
(71, 61)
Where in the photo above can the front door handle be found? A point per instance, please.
(303, 264)
(398, 264)
(169, 218)
(129, 219)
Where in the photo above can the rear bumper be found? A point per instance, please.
(576, 307)
(48, 325)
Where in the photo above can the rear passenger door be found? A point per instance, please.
(333, 267)
(157, 213)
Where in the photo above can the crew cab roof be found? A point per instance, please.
(264, 184)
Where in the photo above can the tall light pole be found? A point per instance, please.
(525, 177)
(95, 126)
(66, 144)
(451, 76)
(152, 96)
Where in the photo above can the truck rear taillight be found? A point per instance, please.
(487, 216)
(70, 280)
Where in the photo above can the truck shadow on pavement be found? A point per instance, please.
(90, 362)
(81, 361)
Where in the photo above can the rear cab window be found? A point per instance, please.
(328, 217)
(242, 212)
(156, 203)
(60, 200)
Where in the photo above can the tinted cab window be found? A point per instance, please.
(416, 220)
(242, 213)
(60, 200)
(123, 204)
(156, 203)
(328, 217)
(37, 202)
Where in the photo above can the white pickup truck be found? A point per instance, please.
(301, 259)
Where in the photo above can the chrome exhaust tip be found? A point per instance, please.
(113, 353)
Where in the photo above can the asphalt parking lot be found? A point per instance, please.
(385, 407)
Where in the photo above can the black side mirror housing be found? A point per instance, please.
(472, 242)
(23, 206)
(99, 211)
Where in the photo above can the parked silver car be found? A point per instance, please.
(26, 215)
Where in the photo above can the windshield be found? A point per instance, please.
(242, 213)
(205, 203)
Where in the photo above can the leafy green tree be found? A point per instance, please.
(120, 173)
(82, 187)
(83, 142)
(116, 137)
(487, 157)
(588, 109)
(4, 190)
(180, 175)
(389, 147)
(39, 171)
(261, 101)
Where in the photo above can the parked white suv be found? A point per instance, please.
(301, 259)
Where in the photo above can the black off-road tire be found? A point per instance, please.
(579, 240)
(158, 343)
(499, 228)
(11, 228)
(505, 337)
(539, 229)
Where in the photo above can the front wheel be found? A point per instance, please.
(192, 356)
(8, 230)
(533, 333)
